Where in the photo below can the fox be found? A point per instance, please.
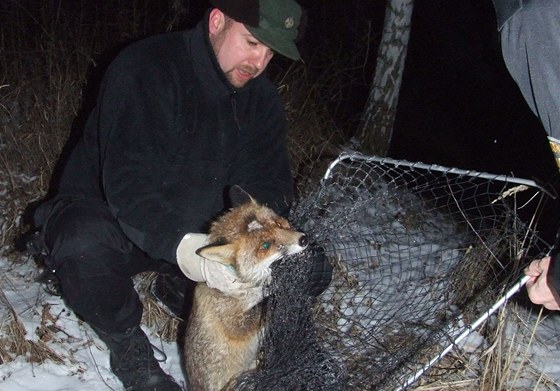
(223, 330)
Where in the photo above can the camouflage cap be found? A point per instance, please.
(273, 22)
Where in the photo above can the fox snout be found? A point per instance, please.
(300, 245)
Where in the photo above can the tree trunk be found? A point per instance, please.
(379, 114)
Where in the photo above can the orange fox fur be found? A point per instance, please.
(222, 336)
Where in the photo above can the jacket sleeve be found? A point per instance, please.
(554, 270)
(135, 122)
(505, 9)
(263, 167)
(554, 273)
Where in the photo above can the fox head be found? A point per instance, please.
(249, 238)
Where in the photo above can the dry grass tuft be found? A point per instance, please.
(15, 343)
(508, 360)
(160, 320)
(502, 365)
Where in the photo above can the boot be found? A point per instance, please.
(132, 360)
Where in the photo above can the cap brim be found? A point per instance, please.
(286, 48)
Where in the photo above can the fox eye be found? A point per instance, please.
(265, 245)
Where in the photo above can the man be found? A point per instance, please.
(530, 40)
(179, 118)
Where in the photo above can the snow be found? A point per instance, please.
(85, 359)
(535, 341)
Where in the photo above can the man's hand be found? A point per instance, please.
(199, 269)
(539, 288)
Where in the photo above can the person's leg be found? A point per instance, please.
(94, 262)
(531, 50)
(92, 259)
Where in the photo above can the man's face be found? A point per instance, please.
(241, 56)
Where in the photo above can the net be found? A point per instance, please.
(418, 252)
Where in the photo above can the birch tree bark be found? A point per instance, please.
(376, 126)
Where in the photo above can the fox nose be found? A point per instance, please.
(303, 241)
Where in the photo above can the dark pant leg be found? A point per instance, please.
(94, 262)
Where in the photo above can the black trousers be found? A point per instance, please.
(95, 262)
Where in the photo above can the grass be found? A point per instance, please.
(501, 364)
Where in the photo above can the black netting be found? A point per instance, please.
(418, 252)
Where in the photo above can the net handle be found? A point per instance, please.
(513, 290)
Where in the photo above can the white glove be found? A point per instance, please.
(215, 274)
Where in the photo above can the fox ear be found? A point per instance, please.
(222, 253)
(238, 196)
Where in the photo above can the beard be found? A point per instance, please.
(241, 75)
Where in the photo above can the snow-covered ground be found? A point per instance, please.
(84, 359)
(535, 347)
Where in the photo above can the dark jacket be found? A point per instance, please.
(169, 134)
